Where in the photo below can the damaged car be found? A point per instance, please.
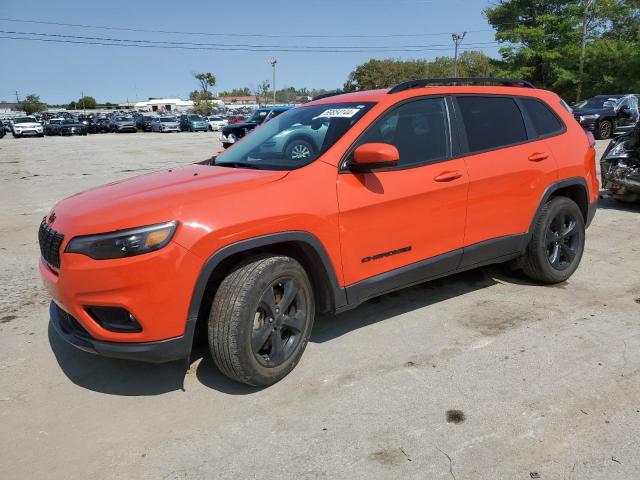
(620, 164)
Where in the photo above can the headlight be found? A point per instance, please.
(124, 243)
(595, 116)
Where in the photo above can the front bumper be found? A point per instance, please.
(27, 131)
(126, 128)
(590, 124)
(156, 288)
(70, 330)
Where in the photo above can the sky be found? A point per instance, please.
(332, 37)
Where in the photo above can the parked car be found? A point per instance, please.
(6, 126)
(71, 127)
(99, 125)
(121, 123)
(620, 167)
(21, 126)
(51, 126)
(2, 131)
(234, 132)
(145, 123)
(165, 124)
(409, 184)
(235, 119)
(216, 123)
(193, 123)
(604, 115)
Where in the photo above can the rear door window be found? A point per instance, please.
(491, 122)
(544, 120)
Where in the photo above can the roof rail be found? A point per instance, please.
(325, 95)
(507, 82)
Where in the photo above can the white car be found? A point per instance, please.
(216, 123)
(26, 126)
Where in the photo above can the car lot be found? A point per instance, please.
(546, 378)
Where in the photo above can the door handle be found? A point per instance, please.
(538, 157)
(448, 176)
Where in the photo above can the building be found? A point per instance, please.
(164, 105)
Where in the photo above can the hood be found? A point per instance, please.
(235, 126)
(27, 125)
(153, 198)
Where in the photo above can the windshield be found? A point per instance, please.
(195, 118)
(597, 102)
(295, 138)
(167, 119)
(122, 119)
(259, 116)
(24, 120)
(69, 122)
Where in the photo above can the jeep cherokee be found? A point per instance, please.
(394, 187)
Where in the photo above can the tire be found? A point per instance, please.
(299, 150)
(242, 327)
(604, 130)
(17, 136)
(557, 242)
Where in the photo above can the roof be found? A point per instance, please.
(384, 95)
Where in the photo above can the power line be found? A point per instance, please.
(223, 48)
(237, 45)
(255, 35)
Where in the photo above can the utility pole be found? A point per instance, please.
(273, 63)
(84, 111)
(457, 40)
(17, 97)
(583, 50)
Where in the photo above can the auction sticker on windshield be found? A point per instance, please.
(339, 113)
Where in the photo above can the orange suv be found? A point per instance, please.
(330, 204)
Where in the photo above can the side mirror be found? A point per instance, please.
(372, 156)
(625, 112)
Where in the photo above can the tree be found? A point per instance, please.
(387, 73)
(206, 80)
(542, 42)
(86, 102)
(262, 92)
(202, 102)
(31, 104)
(236, 92)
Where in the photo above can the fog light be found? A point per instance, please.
(115, 319)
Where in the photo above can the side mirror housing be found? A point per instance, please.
(372, 156)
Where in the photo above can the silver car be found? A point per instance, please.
(298, 142)
(165, 124)
(121, 123)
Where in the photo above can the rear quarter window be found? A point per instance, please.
(491, 122)
(544, 120)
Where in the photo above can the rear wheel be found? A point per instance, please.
(557, 242)
(261, 320)
(604, 130)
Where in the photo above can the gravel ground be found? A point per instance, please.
(478, 376)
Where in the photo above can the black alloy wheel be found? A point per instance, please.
(279, 322)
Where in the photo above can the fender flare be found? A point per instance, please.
(554, 187)
(339, 298)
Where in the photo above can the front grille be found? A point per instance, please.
(50, 242)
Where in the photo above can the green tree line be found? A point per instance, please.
(577, 48)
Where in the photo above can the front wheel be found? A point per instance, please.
(604, 130)
(557, 242)
(298, 150)
(261, 320)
